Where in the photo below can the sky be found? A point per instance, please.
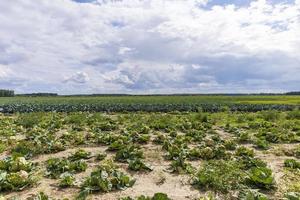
(150, 46)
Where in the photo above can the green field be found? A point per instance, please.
(253, 99)
(142, 147)
(148, 103)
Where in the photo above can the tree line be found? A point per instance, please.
(6, 93)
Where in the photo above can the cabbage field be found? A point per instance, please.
(210, 151)
(191, 103)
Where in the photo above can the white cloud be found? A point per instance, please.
(78, 78)
(124, 50)
(149, 46)
(4, 71)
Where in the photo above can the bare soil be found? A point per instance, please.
(177, 186)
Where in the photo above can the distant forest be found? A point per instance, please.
(11, 93)
(7, 93)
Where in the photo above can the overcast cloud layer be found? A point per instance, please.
(150, 46)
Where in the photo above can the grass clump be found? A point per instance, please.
(262, 144)
(292, 196)
(292, 163)
(296, 151)
(3, 146)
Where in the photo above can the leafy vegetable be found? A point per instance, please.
(101, 156)
(79, 154)
(129, 152)
(16, 173)
(220, 176)
(56, 166)
(251, 195)
(261, 177)
(66, 180)
(104, 179)
(157, 196)
(139, 165)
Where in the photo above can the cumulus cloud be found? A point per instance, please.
(78, 77)
(8, 79)
(153, 46)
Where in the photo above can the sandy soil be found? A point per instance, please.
(275, 162)
(159, 180)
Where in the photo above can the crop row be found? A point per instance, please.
(119, 107)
